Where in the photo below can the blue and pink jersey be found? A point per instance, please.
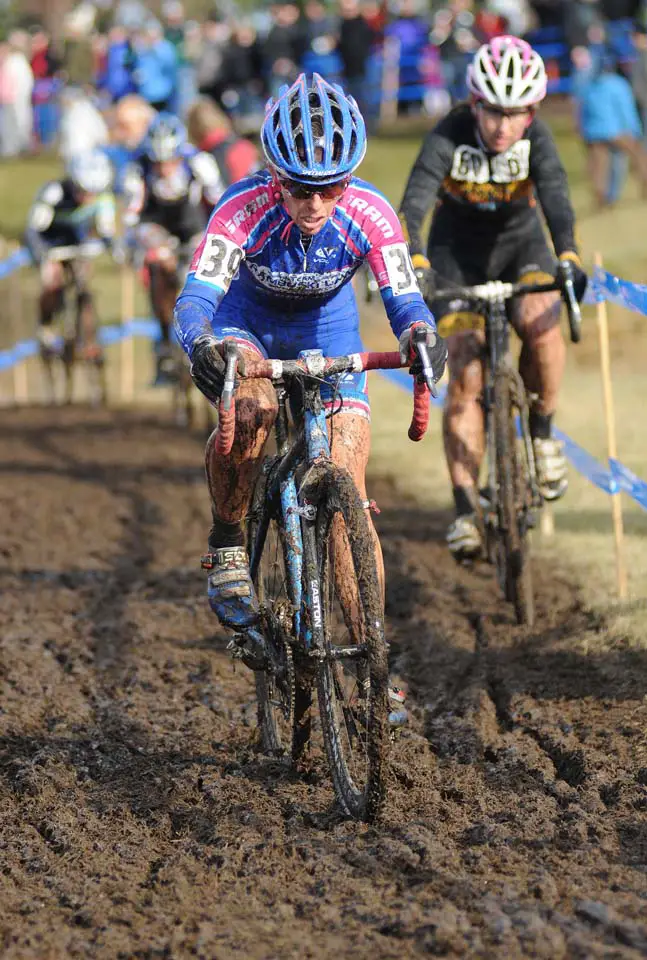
(252, 272)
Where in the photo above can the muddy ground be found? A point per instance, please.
(137, 818)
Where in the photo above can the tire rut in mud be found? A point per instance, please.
(137, 818)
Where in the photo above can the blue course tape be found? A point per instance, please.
(626, 480)
(18, 259)
(605, 286)
(19, 351)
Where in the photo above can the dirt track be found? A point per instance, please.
(137, 818)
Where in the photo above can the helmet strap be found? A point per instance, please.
(276, 186)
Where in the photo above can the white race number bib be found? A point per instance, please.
(399, 269)
(219, 261)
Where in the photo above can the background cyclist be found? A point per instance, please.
(487, 163)
(171, 188)
(68, 212)
(273, 272)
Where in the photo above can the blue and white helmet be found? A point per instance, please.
(313, 132)
(166, 138)
(90, 171)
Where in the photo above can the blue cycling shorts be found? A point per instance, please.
(332, 328)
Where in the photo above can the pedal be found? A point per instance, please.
(254, 658)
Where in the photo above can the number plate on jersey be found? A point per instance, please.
(471, 164)
(219, 261)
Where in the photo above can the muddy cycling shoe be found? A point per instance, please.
(398, 713)
(552, 470)
(230, 589)
(464, 538)
(48, 341)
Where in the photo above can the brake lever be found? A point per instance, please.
(427, 373)
(572, 305)
(231, 359)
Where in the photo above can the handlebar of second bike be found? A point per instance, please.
(80, 251)
(497, 290)
(328, 366)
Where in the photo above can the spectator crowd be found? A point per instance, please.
(109, 50)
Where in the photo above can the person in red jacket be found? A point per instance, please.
(211, 131)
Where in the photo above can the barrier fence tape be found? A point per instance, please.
(602, 285)
(18, 259)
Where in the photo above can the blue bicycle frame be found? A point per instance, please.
(309, 447)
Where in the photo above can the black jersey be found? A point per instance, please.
(479, 194)
(57, 219)
(180, 203)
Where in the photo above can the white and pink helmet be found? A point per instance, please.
(507, 72)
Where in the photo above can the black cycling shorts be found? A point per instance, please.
(465, 261)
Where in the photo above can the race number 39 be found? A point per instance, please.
(399, 269)
(219, 262)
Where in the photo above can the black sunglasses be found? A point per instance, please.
(502, 112)
(301, 191)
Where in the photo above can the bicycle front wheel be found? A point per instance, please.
(352, 678)
(513, 560)
(275, 686)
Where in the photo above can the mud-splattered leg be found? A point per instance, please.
(231, 479)
(350, 448)
(543, 354)
(463, 427)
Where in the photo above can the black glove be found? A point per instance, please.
(436, 348)
(570, 266)
(208, 367)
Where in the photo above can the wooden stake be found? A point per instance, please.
(616, 502)
(20, 379)
(127, 345)
(547, 521)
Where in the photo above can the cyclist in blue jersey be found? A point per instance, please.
(273, 272)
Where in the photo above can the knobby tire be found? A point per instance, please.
(283, 713)
(367, 712)
(512, 493)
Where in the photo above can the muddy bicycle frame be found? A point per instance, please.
(493, 301)
(513, 495)
(75, 298)
(295, 505)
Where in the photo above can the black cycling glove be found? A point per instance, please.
(208, 367)
(436, 348)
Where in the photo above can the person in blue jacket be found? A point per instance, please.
(116, 80)
(608, 119)
(155, 67)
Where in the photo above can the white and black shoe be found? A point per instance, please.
(464, 538)
(552, 469)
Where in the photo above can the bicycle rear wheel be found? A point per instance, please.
(513, 560)
(352, 674)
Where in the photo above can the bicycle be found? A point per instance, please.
(79, 327)
(317, 628)
(508, 510)
(156, 247)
